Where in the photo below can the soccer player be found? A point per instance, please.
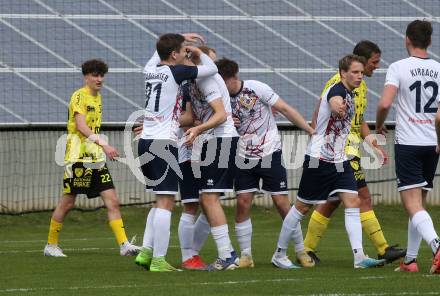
(415, 81)
(260, 144)
(326, 171)
(320, 217)
(192, 232)
(164, 73)
(218, 139)
(85, 169)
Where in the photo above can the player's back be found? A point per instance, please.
(417, 80)
(161, 89)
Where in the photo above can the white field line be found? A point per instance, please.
(213, 283)
(74, 250)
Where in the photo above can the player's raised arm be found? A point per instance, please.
(293, 116)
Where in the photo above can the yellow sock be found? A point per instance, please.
(119, 231)
(371, 226)
(317, 226)
(54, 232)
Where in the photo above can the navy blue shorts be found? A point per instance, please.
(415, 166)
(189, 187)
(269, 169)
(218, 174)
(321, 180)
(161, 178)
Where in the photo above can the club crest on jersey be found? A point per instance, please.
(79, 172)
(248, 101)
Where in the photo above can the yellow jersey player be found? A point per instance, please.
(85, 169)
(359, 130)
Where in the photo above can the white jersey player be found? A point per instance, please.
(164, 73)
(414, 82)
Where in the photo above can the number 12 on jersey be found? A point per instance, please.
(418, 87)
(148, 92)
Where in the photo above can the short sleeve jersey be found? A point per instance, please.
(252, 105)
(328, 144)
(78, 148)
(360, 102)
(417, 81)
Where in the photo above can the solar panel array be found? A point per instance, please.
(293, 46)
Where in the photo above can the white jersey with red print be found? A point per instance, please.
(258, 131)
(328, 144)
(417, 81)
(161, 88)
(205, 91)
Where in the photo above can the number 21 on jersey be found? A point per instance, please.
(149, 91)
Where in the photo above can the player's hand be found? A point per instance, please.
(110, 151)
(237, 121)
(380, 151)
(342, 109)
(382, 130)
(195, 51)
(437, 149)
(311, 131)
(194, 37)
(138, 130)
(191, 134)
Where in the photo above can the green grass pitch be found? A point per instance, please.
(94, 266)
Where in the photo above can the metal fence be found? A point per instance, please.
(31, 180)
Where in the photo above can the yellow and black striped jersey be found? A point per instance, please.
(360, 101)
(78, 149)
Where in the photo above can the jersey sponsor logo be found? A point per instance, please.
(210, 182)
(90, 109)
(88, 172)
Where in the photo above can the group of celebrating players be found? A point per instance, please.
(206, 132)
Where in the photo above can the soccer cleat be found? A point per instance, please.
(314, 257)
(246, 261)
(230, 263)
(144, 258)
(128, 249)
(53, 251)
(392, 253)
(410, 267)
(283, 262)
(159, 264)
(435, 268)
(304, 259)
(368, 262)
(194, 263)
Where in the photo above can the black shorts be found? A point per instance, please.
(322, 180)
(415, 166)
(217, 165)
(270, 169)
(160, 171)
(85, 178)
(358, 172)
(189, 187)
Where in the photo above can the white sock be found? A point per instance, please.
(423, 223)
(291, 223)
(149, 230)
(414, 240)
(201, 231)
(161, 224)
(221, 238)
(298, 239)
(243, 231)
(186, 235)
(353, 227)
